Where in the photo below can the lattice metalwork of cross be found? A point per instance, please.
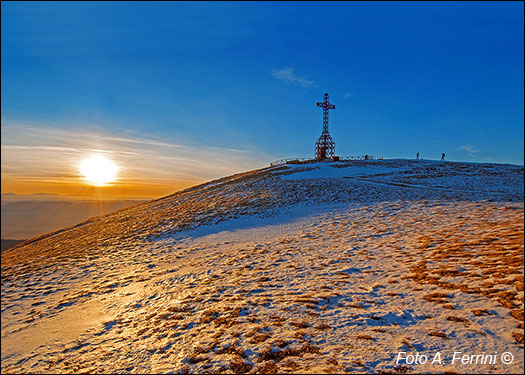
(325, 145)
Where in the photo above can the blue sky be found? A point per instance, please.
(245, 76)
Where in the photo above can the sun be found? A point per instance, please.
(98, 170)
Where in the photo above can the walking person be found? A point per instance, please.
(443, 156)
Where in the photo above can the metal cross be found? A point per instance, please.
(325, 145)
(326, 105)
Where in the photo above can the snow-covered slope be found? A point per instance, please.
(314, 267)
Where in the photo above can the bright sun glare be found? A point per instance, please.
(98, 170)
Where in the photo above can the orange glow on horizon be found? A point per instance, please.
(80, 190)
(51, 161)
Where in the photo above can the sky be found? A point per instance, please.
(180, 93)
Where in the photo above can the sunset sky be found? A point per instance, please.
(180, 93)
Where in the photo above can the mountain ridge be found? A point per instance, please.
(309, 268)
(285, 169)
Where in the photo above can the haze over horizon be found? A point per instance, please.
(180, 93)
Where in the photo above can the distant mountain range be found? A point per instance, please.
(27, 216)
(6, 244)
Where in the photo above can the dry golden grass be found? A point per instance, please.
(280, 343)
(397, 370)
(238, 366)
(517, 314)
(458, 319)
(277, 355)
(438, 334)
(481, 312)
(269, 367)
(322, 326)
(232, 349)
(177, 308)
(259, 337)
(305, 299)
(301, 324)
(197, 358)
(277, 320)
(436, 297)
(290, 364)
(518, 336)
(332, 361)
(493, 258)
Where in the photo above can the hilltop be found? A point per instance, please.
(308, 267)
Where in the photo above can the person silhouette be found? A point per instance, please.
(443, 156)
(417, 155)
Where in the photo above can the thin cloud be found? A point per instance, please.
(288, 76)
(48, 153)
(470, 149)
